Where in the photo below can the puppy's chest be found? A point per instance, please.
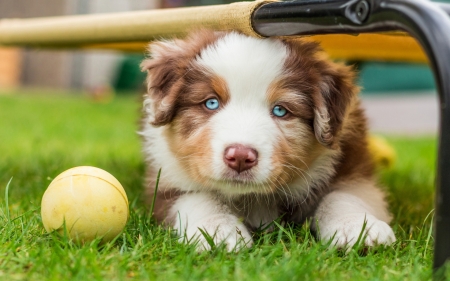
(259, 212)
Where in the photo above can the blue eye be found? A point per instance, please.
(279, 111)
(212, 104)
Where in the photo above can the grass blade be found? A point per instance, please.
(208, 238)
(430, 231)
(8, 216)
(152, 208)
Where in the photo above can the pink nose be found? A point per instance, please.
(240, 158)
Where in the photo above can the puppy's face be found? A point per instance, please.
(245, 115)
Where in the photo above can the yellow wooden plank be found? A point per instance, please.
(378, 47)
(396, 47)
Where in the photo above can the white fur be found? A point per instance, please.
(249, 66)
(155, 50)
(343, 212)
(201, 211)
(245, 120)
(157, 152)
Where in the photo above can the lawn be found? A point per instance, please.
(43, 135)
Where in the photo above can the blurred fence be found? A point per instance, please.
(10, 68)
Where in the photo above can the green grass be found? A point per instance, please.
(43, 135)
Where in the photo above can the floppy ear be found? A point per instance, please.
(337, 90)
(164, 70)
(329, 86)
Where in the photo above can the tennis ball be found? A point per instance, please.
(382, 152)
(86, 201)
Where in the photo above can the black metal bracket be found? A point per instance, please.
(428, 22)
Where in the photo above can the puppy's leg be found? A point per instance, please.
(342, 214)
(201, 211)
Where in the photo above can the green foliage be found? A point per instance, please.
(43, 135)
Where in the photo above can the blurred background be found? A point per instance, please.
(400, 98)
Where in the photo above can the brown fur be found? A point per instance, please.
(327, 84)
(356, 160)
(174, 81)
(311, 85)
(330, 85)
(168, 72)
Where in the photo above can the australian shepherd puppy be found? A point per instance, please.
(250, 130)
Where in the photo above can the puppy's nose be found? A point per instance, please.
(240, 158)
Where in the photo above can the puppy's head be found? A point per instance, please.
(245, 115)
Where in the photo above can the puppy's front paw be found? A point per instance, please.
(222, 229)
(346, 230)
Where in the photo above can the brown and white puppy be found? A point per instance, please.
(249, 130)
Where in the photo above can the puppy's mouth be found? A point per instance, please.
(231, 183)
(234, 178)
(244, 177)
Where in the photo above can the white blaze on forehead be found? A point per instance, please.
(248, 66)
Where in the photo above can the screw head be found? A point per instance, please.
(362, 10)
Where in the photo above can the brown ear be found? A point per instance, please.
(337, 90)
(328, 85)
(163, 73)
(166, 69)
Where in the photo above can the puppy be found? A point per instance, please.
(250, 130)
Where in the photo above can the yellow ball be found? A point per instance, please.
(89, 202)
(382, 152)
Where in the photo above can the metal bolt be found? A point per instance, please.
(362, 10)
